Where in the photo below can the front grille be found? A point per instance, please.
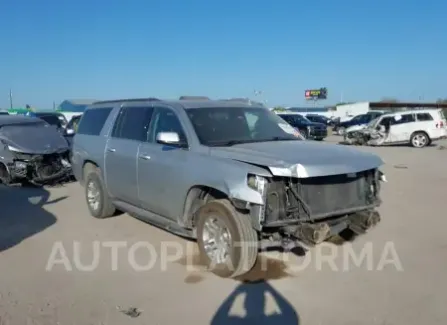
(292, 199)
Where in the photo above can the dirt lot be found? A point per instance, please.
(403, 282)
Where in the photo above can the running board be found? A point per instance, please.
(155, 220)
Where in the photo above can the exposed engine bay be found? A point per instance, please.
(37, 169)
(313, 209)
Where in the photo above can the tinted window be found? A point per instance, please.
(132, 123)
(405, 118)
(165, 120)
(222, 126)
(424, 117)
(93, 120)
(51, 119)
(295, 119)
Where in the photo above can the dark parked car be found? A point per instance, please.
(309, 129)
(361, 119)
(316, 118)
(4, 113)
(53, 118)
(71, 128)
(31, 150)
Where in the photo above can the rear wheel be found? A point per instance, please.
(228, 244)
(419, 139)
(98, 201)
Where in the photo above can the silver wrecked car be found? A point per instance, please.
(31, 150)
(232, 175)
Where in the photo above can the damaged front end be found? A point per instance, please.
(39, 169)
(310, 210)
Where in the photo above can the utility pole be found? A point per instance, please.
(10, 98)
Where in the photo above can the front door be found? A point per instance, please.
(160, 166)
(129, 131)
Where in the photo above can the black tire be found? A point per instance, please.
(5, 177)
(105, 207)
(242, 257)
(419, 139)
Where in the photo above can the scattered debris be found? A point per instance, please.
(401, 166)
(131, 311)
(441, 148)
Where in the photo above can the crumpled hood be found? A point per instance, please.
(356, 128)
(301, 158)
(34, 139)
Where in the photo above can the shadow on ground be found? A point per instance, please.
(22, 214)
(262, 305)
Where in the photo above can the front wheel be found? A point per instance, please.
(419, 139)
(228, 244)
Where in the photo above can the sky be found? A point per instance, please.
(51, 50)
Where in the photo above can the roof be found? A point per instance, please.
(185, 104)
(403, 104)
(412, 111)
(17, 119)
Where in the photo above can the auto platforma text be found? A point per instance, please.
(143, 256)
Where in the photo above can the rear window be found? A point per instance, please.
(93, 121)
(424, 117)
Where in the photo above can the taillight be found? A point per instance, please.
(440, 124)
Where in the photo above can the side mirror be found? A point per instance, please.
(169, 138)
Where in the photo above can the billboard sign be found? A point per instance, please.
(316, 94)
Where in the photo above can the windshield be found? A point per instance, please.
(373, 122)
(220, 126)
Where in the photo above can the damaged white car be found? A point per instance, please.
(232, 175)
(418, 128)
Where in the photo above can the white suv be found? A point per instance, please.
(416, 127)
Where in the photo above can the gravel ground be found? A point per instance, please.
(403, 282)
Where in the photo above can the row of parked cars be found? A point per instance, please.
(234, 176)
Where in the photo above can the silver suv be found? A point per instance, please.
(230, 174)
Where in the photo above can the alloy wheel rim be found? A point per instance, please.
(217, 240)
(93, 196)
(419, 140)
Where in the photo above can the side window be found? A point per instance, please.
(251, 120)
(424, 117)
(405, 118)
(165, 120)
(132, 123)
(93, 120)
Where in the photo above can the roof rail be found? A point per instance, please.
(126, 100)
(193, 98)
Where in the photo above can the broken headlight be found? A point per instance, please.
(256, 182)
(11, 148)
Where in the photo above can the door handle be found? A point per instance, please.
(145, 157)
(111, 149)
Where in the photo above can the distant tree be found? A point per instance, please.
(441, 101)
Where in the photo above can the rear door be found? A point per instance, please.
(129, 130)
